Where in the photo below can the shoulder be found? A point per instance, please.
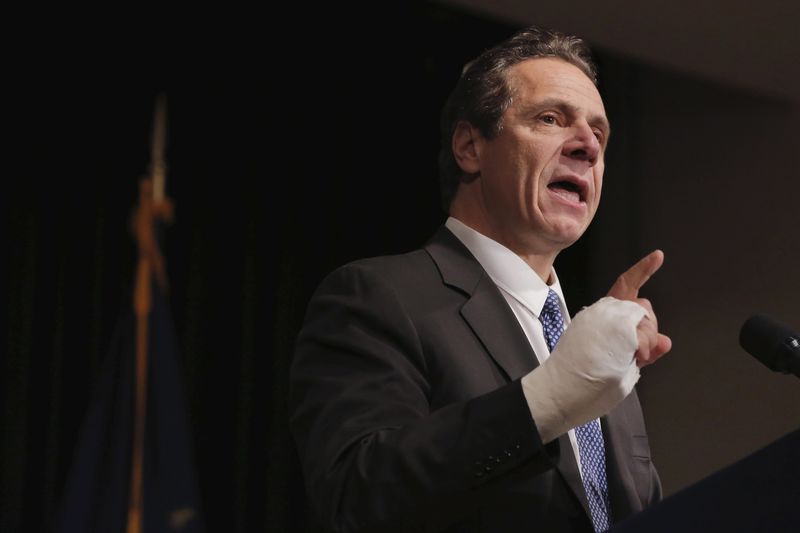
(442, 259)
(398, 274)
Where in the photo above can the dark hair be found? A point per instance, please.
(482, 94)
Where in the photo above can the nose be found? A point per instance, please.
(582, 145)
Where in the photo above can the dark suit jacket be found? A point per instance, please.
(408, 413)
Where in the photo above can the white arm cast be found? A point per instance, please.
(590, 371)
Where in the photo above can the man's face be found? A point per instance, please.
(540, 178)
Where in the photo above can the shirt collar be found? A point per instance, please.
(507, 269)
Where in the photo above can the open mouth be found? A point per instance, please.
(568, 190)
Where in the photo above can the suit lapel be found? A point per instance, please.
(493, 322)
(485, 310)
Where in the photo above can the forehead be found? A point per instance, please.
(548, 78)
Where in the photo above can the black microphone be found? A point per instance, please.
(772, 343)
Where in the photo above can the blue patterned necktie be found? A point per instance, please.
(589, 435)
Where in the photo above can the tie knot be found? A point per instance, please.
(552, 304)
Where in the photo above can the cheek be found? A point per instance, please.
(598, 182)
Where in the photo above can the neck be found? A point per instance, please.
(539, 260)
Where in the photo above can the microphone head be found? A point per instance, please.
(771, 342)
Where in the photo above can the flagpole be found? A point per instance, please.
(153, 206)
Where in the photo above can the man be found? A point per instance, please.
(424, 394)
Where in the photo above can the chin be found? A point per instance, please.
(568, 233)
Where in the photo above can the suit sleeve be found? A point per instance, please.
(374, 455)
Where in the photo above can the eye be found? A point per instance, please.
(549, 118)
(600, 134)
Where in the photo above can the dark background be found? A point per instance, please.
(293, 148)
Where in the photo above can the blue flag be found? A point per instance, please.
(97, 492)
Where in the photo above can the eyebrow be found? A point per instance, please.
(595, 120)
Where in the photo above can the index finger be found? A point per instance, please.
(628, 284)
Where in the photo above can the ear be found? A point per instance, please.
(465, 147)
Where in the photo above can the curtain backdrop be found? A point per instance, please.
(285, 159)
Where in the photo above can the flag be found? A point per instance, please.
(133, 468)
(97, 493)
